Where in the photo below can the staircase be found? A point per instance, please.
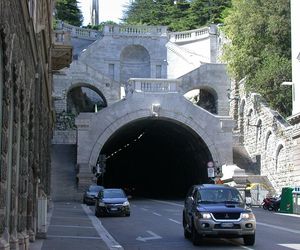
(251, 166)
(63, 173)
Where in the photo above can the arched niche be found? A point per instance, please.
(134, 62)
(205, 98)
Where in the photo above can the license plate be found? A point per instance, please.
(226, 225)
(113, 209)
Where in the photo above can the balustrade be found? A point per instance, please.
(151, 85)
(189, 35)
(134, 30)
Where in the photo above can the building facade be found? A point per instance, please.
(26, 119)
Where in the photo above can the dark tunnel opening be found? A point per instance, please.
(157, 158)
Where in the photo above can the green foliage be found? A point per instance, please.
(99, 27)
(182, 15)
(68, 11)
(259, 48)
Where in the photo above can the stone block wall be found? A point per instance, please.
(268, 136)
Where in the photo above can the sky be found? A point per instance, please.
(109, 10)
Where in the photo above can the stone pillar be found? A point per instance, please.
(84, 177)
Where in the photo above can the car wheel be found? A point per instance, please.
(127, 214)
(196, 237)
(265, 207)
(249, 240)
(187, 234)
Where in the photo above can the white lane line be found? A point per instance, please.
(106, 237)
(169, 203)
(176, 221)
(278, 227)
(157, 214)
(69, 226)
(145, 209)
(291, 246)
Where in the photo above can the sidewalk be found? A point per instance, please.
(73, 226)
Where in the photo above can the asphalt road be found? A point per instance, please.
(157, 224)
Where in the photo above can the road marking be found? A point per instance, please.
(278, 227)
(291, 246)
(176, 221)
(69, 226)
(102, 232)
(168, 202)
(157, 214)
(145, 209)
(152, 237)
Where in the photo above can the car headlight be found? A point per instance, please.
(247, 216)
(126, 203)
(205, 216)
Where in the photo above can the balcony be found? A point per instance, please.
(61, 49)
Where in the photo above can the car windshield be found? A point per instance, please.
(113, 193)
(95, 188)
(220, 195)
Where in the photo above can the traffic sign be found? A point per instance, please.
(210, 172)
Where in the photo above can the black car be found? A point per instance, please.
(217, 211)
(112, 201)
(89, 196)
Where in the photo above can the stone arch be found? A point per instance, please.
(267, 139)
(279, 157)
(86, 85)
(206, 98)
(134, 62)
(185, 121)
(258, 131)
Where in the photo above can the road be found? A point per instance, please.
(156, 224)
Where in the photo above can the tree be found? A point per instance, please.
(68, 11)
(177, 15)
(259, 48)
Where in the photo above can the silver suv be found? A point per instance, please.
(217, 211)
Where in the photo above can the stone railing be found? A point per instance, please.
(79, 32)
(151, 85)
(61, 37)
(135, 30)
(190, 35)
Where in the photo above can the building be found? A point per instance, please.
(27, 58)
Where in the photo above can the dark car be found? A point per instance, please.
(112, 201)
(89, 196)
(217, 211)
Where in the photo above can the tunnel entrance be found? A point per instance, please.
(156, 157)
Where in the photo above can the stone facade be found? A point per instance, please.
(215, 131)
(26, 118)
(268, 137)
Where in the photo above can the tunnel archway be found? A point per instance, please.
(156, 157)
